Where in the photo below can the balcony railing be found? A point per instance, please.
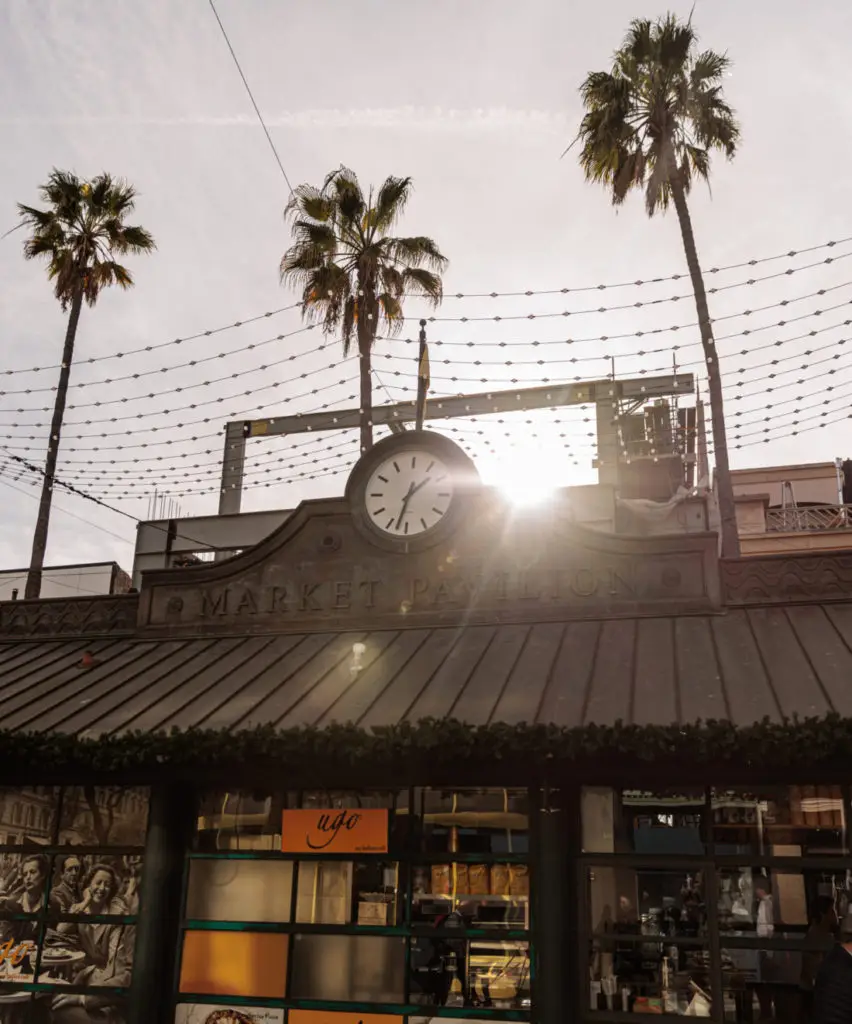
(809, 519)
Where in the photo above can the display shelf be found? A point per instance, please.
(489, 898)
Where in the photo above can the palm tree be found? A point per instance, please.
(79, 234)
(353, 274)
(652, 122)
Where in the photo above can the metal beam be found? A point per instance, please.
(605, 394)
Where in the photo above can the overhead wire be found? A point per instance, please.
(208, 332)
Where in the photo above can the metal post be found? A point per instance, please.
(422, 378)
(233, 465)
(553, 923)
(606, 410)
(158, 931)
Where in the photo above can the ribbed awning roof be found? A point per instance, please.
(742, 665)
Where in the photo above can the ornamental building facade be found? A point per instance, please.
(417, 756)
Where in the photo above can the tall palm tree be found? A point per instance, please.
(354, 274)
(652, 123)
(80, 233)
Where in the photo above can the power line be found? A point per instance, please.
(251, 96)
(65, 511)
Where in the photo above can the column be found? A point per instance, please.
(170, 825)
(554, 930)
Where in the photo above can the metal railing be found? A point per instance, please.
(808, 519)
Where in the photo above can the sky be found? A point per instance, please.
(476, 100)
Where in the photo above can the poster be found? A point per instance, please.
(192, 1013)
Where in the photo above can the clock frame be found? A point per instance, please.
(402, 449)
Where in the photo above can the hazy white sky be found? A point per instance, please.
(476, 99)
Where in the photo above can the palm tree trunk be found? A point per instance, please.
(365, 353)
(33, 587)
(727, 507)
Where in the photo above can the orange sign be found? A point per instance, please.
(334, 831)
(341, 1017)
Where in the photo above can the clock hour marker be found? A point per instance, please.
(379, 511)
(437, 511)
(429, 467)
(383, 479)
(406, 527)
(396, 467)
(377, 495)
(413, 461)
(424, 524)
(390, 523)
(441, 494)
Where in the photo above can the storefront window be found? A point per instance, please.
(459, 972)
(390, 899)
(246, 890)
(68, 909)
(647, 901)
(638, 821)
(647, 975)
(779, 821)
(666, 870)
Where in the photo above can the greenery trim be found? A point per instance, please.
(430, 743)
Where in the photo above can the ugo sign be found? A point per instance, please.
(335, 830)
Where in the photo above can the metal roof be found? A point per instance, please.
(743, 665)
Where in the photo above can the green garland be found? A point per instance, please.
(430, 745)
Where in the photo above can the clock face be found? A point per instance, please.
(409, 493)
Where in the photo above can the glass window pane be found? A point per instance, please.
(194, 1013)
(780, 821)
(649, 977)
(471, 895)
(234, 964)
(28, 815)
(83, 880)
(472, 820)
(764, 984)
(92, 955)
(239, 890)
(639, 901)
(104, 816)
(347, 892)
(637, 821)
(363, 968)
(470, 972)
(768, 903)
(23, 882)
(239, 821)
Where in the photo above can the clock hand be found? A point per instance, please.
(405, 502)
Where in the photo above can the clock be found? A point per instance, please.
(409, 490)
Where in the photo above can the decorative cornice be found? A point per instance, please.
(74, 616)
(785, 579)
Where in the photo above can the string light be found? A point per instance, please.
(209, 332)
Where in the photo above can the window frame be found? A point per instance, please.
(407, 858)
(708, 863)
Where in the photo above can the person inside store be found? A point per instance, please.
(823, 929)
(832, 999)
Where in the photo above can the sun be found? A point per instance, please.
(525, 477)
